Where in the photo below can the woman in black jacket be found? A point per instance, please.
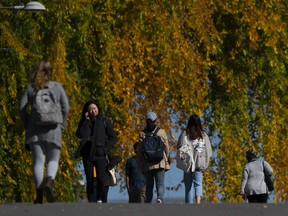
(97, 139)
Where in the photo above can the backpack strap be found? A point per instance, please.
(151, 133)
(156, 131)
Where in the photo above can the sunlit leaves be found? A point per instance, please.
(224, 60)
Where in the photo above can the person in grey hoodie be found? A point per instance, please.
(253, 186)
(44, 141)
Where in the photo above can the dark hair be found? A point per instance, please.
(151, 125)
(135, 146)
(41, 74)
(250, 155)
(85, 108)
(194, 127)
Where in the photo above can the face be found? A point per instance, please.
(93, 111)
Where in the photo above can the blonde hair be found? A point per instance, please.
(41, 74)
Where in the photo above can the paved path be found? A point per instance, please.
(86, 209)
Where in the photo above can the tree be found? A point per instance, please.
(223, 60)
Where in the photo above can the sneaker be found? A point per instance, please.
(159, 201)
(99, 201)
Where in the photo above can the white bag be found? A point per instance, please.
(184, 155)
(111, 180)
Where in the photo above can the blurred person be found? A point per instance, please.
(135, 180)
(253, 186)
(44, 134)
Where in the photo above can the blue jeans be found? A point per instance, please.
(158, 175)
(195, 179)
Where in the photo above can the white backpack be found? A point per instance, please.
(184, 155)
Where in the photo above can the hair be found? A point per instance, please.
(194, 127)
(135, 146)
(250, 155)
(41, 74)
(85, 109)
(151, 125)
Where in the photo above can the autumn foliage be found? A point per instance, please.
(225, 60)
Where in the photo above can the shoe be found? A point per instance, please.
(99, 201)
(39, 196)
(48, 189)
(159, 201)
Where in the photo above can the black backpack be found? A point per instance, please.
(152, 147)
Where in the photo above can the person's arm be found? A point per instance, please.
(111, 136)
(268, 168)
(244, 180)
(127, 167)
(164, 138)
(208, 146)
(64, 105)
(23, 108)
(83, 128)
(180, 140)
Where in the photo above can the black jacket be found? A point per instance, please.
(97, 137)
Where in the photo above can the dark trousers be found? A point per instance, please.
(100, 166)
(105, 194)
(257, 198)
(137, 195)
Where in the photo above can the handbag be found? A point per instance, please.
(268, 180)
(111, 179)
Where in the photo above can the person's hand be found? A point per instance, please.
(243, 195)
(87, 115)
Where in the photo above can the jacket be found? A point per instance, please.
(252, 181)
(163, 164)
(197, 164)
(97, 137)
(36, 133)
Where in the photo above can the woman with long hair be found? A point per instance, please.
(97, 140)
(43, 139)
(202, 153)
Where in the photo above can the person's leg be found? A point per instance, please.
(53, 156)
(38, 163)
(88, 168)
(105, 194)
(149, 185)
(159, 178)
(262, 198)
(252, 199)
(133, 196)
(142, 195)
(52, 152)
(197, 177)
(188, 185)
(101, 166)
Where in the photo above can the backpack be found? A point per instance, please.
(152, 147)
(200, 154)
(184, 155)
(47, 107)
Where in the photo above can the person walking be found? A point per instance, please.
(253, 186)
(151, 170)
(202, 153)
(44, 125)
(97, 139)
(135, 180)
